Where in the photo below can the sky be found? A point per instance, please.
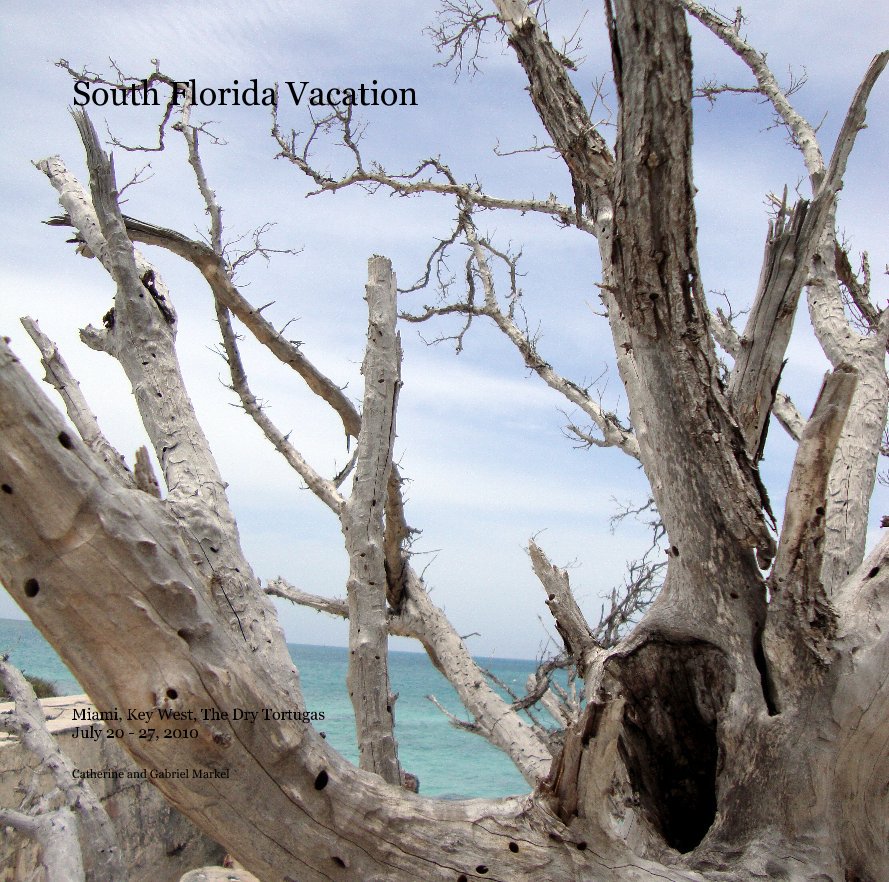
(479, 440)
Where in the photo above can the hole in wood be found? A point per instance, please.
(65, 440)
(513, 847)
(669, 741)
(481, 869)
(6, 488)
(339, 861)
(172, 693)
(462, 878)
(873, 572)
(581, 846)
(32, 587)
(321, 780)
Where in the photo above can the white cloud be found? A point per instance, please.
(478, 437)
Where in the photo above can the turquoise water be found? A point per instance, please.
(449, 762)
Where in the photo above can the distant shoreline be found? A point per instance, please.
(487, 659)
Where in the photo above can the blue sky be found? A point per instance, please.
(479, 440)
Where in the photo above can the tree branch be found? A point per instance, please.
(324, 489)
(800, 614)
(362, 522)
(753, 382)
(214, 270)
(141, 338)
(97, 835)
(56, 835)
(613, 433)
(62, 380)
(570, 622)
(420, 619)
(783, 408)
(790, 247)
(171, 648)
(560, 108)
(800, 129)
(421, 179)
(659, 293)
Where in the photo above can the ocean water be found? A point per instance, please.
(449, 762)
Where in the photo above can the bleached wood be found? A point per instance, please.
(800, 612)
(445, 646)
(803, 132)
(760, 355)
(362, 522)
(422, 620)
(143, 473)
(723, 739)
(324, 489)
(56, 835)
(292, 821)
(855, 463)
(613, 433)
(570, 621)
(59, 376)
(97, 837)
(783, 408)
(583, 148)
(790, 247)
(218, 874)
(141, 338)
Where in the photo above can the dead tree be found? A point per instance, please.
(76, 838)
(736, 732)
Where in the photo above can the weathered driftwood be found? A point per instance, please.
(80, 827)
(734, 734)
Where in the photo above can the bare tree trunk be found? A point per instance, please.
(362, 519)
(140, 335)
(854, 469)
(736, 734)
(286, 791)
